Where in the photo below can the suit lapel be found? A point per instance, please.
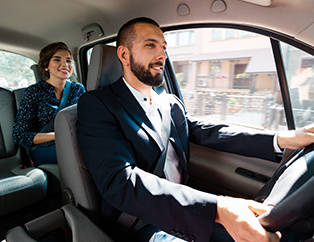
(169, 129)
(130, 104)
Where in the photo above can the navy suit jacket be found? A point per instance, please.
(121, 149)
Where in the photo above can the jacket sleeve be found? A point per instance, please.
(224, 138)
(122, 183)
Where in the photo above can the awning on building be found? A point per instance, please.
(261, 60)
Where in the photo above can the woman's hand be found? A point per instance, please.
(43, 137)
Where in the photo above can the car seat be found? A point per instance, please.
(19, 187)
(76, 181)
(78, 187)
(51, 170)
(66, 224)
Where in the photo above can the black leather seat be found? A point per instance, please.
(19, 187)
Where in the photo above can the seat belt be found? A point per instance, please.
(65, 95)
(49, 127)
(128, 223)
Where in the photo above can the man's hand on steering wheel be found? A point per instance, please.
(238, 216)
(296, 139)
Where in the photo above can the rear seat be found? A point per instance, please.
(51, 170)
(19, 187)
(73, 224)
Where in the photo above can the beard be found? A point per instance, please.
(144, 75)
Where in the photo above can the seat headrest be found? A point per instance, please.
(37, 73)
(104, 68)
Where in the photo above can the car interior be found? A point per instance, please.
(245, 63)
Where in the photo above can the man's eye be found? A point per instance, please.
(150, 45)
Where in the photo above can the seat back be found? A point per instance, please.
(37, 73)
(51, 170)
(7, 114)
(19, 187)
(105, 67)
(77, 183)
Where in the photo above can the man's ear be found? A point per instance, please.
(124, 55)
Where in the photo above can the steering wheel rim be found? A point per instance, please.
(292, 196)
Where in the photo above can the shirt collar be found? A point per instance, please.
(142, 99)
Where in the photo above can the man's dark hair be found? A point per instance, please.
(126, 34)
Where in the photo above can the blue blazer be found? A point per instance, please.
(121, 149)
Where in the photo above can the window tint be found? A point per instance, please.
(15, 70)
(228, 76)
(299, 68)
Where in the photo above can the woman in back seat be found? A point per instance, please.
(33, 125)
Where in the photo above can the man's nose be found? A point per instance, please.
(162, 54)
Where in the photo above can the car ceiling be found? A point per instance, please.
(27, 26)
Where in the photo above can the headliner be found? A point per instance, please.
(27, 26)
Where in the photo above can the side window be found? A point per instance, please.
(299, 68)
(15, 70)
(228, 76)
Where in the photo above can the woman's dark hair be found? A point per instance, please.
(47, 53)
(127, 35)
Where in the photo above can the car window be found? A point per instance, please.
(299, 70)
(15, 70)
(227, 75)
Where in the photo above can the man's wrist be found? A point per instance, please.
(221, 205)
(277, 148)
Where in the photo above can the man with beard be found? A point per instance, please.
(136, 146)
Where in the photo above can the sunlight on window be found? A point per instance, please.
(15, 70)
(228, 76)
(299, 67)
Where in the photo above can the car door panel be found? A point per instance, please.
(218, 172)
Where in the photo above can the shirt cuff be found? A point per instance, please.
(276, 146)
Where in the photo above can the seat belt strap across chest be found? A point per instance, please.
(65, 95)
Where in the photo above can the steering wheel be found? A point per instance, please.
(292, 195)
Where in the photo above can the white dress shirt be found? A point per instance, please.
(150, 106)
